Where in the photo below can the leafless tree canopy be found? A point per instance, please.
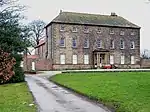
(37, 30)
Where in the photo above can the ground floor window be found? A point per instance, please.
(111, 59)
(86, 59)
(74, 59)
(132, 60)
(62, 59)
(122, 59)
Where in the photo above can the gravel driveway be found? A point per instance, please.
(51, 98)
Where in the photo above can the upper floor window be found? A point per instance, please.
(132, 46)
(121, 44)
(62, 42)
(86, 43)
(62, 28)
(132, 33)
(74, 29)
(74, 43)
(122, 33)
(112, 31)
(99, 43)
(99, 30)
(112, 44)
(86, 30)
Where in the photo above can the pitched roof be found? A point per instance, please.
(93, 19)
(42, 42)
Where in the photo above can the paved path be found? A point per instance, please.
(51, 98)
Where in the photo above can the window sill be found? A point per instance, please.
(74, 47)
(62, 46)
(99, 32)
(112, 33)
(86, 31)
(86, 47)
(112, 48)
(74, 31)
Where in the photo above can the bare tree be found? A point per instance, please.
(37, 31)
(145, 54)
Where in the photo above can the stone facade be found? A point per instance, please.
(97, 56)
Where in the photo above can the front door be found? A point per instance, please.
(102, 59)
(99, 60)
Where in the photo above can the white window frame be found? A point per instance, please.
(62, 59)
(99, 42)
(132, 45)
(75, 59)
(122, 32)
(132, 33)
(86, 29)
(86, 40)
(74, 40)
(132, 60)
(62, 28)
(74, 29)
(111, 31)
(99, 30)
(60, 42)
(122, 59)
(112, 44)
(111, 59)
(122, 44)
(86, 59)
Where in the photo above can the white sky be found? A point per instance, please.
(136, 11)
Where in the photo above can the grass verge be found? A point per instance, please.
(123, 91)
(16, 98)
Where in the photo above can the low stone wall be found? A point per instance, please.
(129, 66)
(145, 63)
(71, 67)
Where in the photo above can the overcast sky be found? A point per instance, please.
(136, 11)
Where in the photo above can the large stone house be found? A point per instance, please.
(81, 41)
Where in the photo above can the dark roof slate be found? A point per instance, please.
(93, 19)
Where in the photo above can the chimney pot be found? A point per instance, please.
(113, 14)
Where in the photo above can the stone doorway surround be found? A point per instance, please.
(100, 58)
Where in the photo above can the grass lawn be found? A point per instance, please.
(15, 98)
(124, 91)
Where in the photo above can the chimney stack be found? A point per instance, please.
(60, 11)
(113, 14)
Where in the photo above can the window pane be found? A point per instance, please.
(132, 60)
(62, 42)
(121, 44)
(99, 43)
(122, 59)
(132, 45)
(74, 59)
(86, 59)
(74, 29)
(62, 28)
(112, 44)
(62, 59)
(111, 59)
(86, 43)
(74, 44)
